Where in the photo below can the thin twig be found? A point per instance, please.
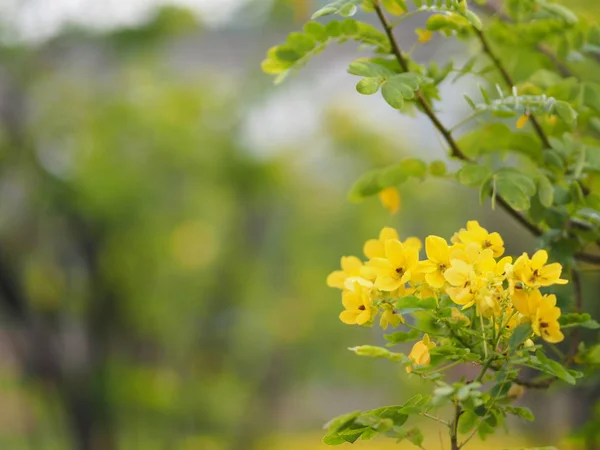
(588, 258)
(454, 428)
(562, 68)
(578, 294)
(509, 82)
(455, 149)
(437, 419)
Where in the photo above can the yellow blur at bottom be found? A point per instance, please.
(433, 441)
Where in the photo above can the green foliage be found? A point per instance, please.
(299, 48)
(533, 146)
(373, 182)
(395, 87)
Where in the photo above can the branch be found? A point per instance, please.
(561, 67)
(510, 83)
(454, 429)
(456, 151)
(588, 258)
(578, 295)
(544, 384)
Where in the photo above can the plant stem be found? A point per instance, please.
(509, 82)
(578, 294)
(455, 149)
(437, 419)
(454, 428)
(484, 369)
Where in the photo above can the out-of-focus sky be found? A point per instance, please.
(36, 20)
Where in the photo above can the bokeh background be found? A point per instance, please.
(168, 218)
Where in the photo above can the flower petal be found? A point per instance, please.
(538, 259)
(349, 317)
(437, 249)
(374, 249)
(394, 252)
(351, 265)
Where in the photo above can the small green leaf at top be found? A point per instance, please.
(473, 175)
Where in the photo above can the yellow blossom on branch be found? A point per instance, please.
(534, 273)
(419, 354)
(351, 266)
(396, 269)
(390, 199)
(358, 306)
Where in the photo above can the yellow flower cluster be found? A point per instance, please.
(470, 270)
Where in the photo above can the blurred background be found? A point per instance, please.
(168, 218)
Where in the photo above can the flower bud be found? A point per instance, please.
(516, 391)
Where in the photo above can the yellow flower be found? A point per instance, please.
(533, 273)
(542, 311)
(420, 352)
(359, 306)
(396, 269)
(424, 35)
(526, 302)
(438, 254)
(390, 199)
(522, 121)
(545, 323)
(375, 248)
(461, 278)
(351, 266)
(479, 235)
(390, 317)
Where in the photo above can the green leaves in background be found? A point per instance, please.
(395, 87)
(376, 180)
(345, 8)
(299, 48)
(388, 420)
(583, 320)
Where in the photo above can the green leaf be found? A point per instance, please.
(545, 191)
(521, 333)
(400, 337)
(316, 31)
(500, 389)
(409, 304)
(415, 437)
(369, 69)
(474, 19)
(473, 175)
(366, 185)
(369, 86)
(468, 420)
(515, 187)
(591, 96)
(300, 42)
(523, 413)
(485, 189)
(583, 320)
(513, 195)
(379, 352)
(560, 11)
(437, 168)
(400, 87)
(392, 413)
(521, 180)
(342, 7)
(565, 112)
(549, 366)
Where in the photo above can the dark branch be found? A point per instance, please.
(509, 82)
